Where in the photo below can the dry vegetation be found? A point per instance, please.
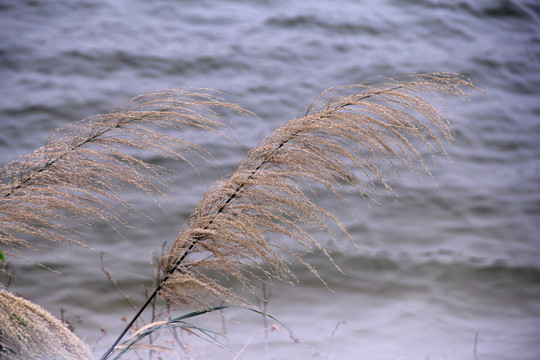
(84, 167)
(28, 331)
(342, 141)
(347, 136)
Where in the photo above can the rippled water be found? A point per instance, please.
(448, 271)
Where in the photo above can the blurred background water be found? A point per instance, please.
(448, 271)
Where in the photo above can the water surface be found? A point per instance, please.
(448, 271)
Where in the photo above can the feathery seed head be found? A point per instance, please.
(345, 138)
(83, 168)
(27, 331)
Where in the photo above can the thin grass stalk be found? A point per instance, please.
(168, 275)
(82, 168)
(269, 158)
(150, 328)
(172, 270)
(332, 109)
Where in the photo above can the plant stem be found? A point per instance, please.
(184, 255)
(148, 301)
(190, 248)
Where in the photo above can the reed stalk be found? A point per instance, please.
(243, 226)
(342, 141)
(81, 173)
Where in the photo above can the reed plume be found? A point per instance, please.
(240, 228)
(345, 139)
(30, 332)
(83, 168)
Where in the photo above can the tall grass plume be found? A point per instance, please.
(28, 331)
(345, 139)
(83, 169)
(240, 230)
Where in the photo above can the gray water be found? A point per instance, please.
(447, 268)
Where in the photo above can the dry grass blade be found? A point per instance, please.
(345, 139)
(27, 331)
(84, 167)
(134, 341)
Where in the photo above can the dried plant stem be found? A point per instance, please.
(83, 168)
(172, 271)
(115, 284)
(264, 195)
